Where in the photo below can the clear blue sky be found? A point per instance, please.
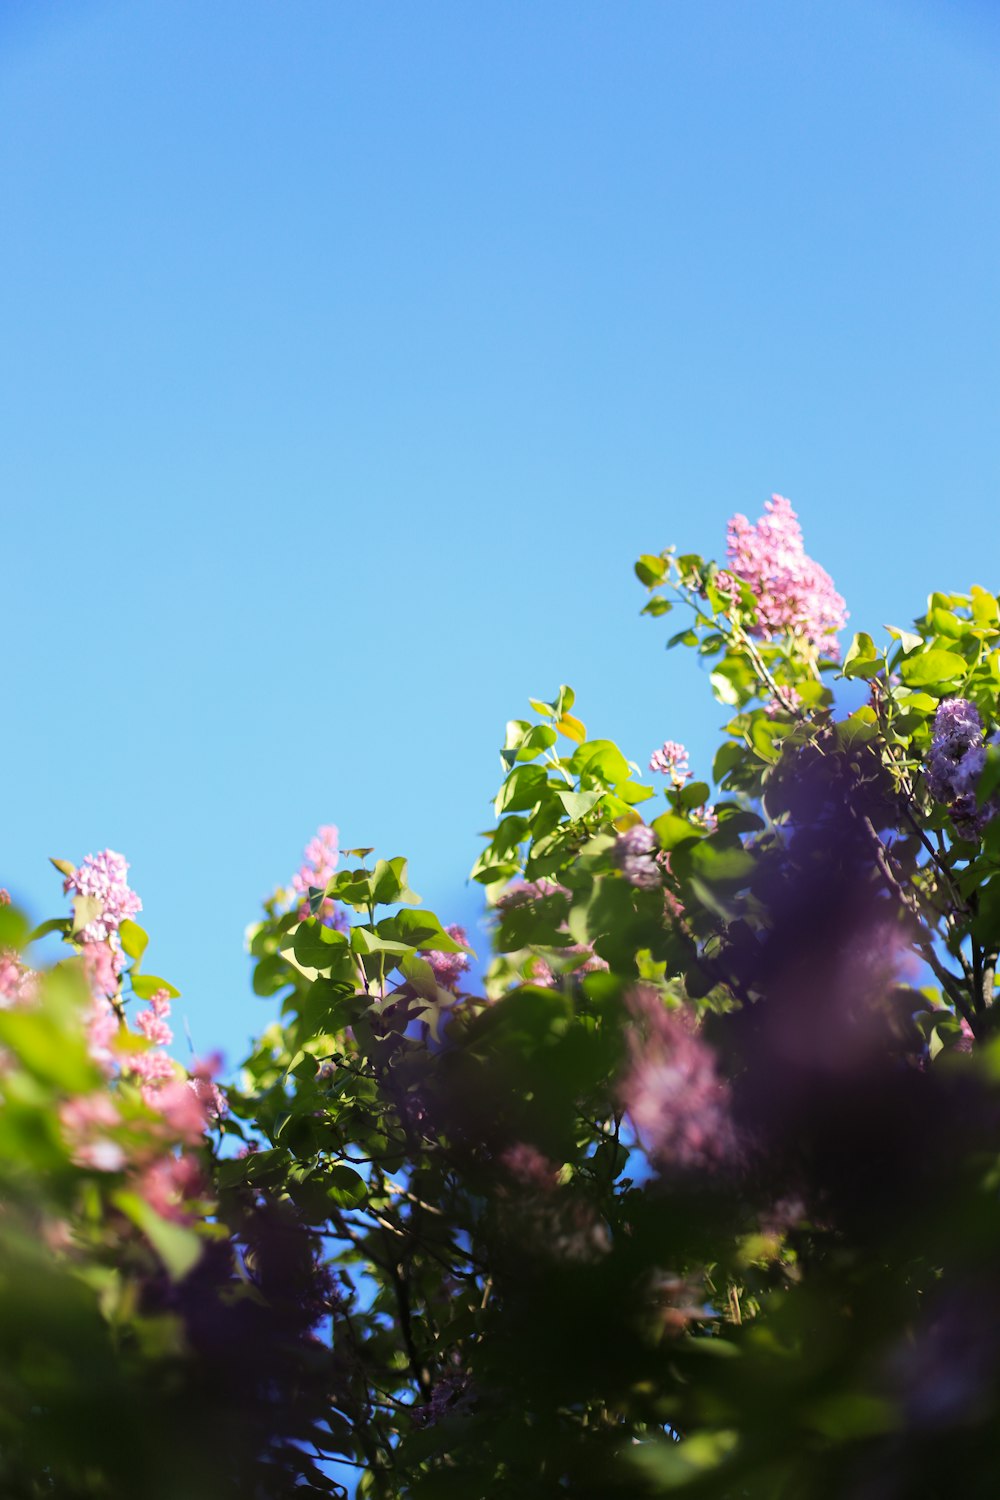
(352, 351)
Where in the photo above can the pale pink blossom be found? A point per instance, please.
(102, 1155)
(84, 1119)
(105, 877)
(521, 892)
(529, 1167)
(793, 593)
(150, 1069)
(202, 1084)
(540, 972)
(100, 966)
(4, 897)
(706, 817)
(449, 967)
(674, 1095)
(18, 983)
(102, 1028)
(181, 1108)
(169, 1183)
(153, 1022)
(671, 760)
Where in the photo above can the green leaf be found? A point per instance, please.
(578, 804)
(650, 570)
(134, 939)
(522, 789)
(984, 606)
(930, 667)
(672, 830)
(345, 1187)
(724, 689)
(145, 986)
(14, 928)
(539, 738)
(270, 975)
(862, 660)
(86, 909)
(178, 1248)
(656, 606)
(418, 929)
(720, 864)
(906, 639)
(389, 885)
(39, 1040)
(603, 759)
(989, 778)
(728, 756)
(351, 886)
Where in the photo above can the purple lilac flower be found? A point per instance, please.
(955, 763)
(634, 853)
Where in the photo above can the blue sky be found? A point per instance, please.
(351, 353)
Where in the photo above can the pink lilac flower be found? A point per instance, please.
(677, 1102)
(541, 973)
(202, 1084)
(672, 760)
(168, 1183)
(529, 1167)
(151, 1069)
(104, 876)
(634, 853)
(101, 967)
(153, 1022)
(521, 892)
(18, 983)
(83, 1120)
(102, 1155)
(102, 1028)
(4, 897)
(706, 817)
(182, 1109)
(449, 967)
(319, 862)
(792, 592)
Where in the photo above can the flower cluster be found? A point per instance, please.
(955, 763)
(540, 972)
(675, 1098)
(104, 877)
(792, 592)
(449, 967)
(524, 892)
(319, 861)
(671, 760)
(635, 853)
